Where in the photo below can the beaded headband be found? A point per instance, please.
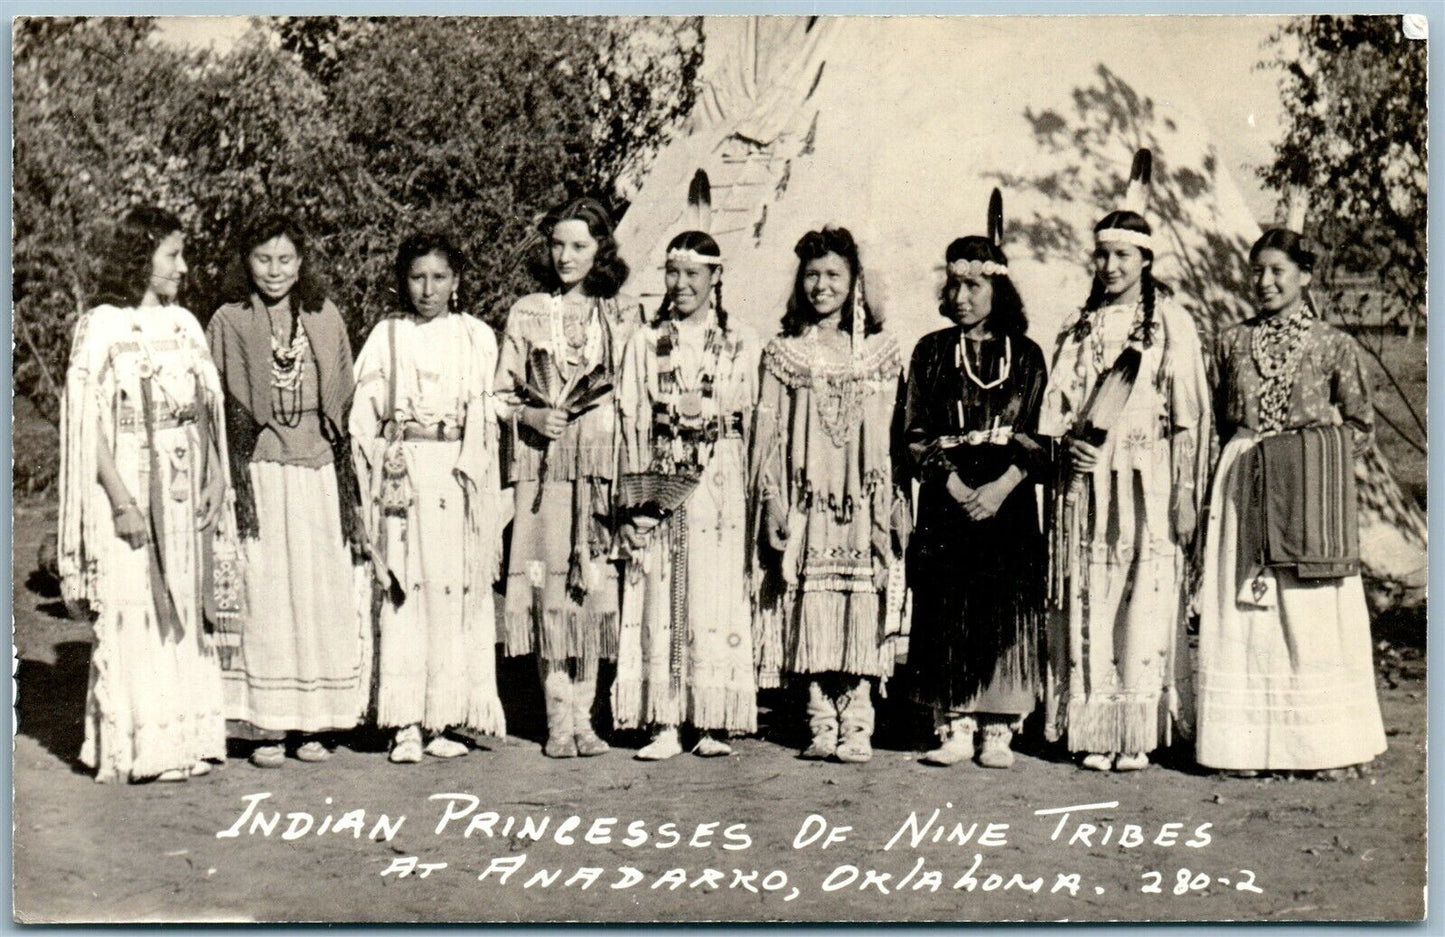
(1124, 236)
(689, 256)
(973, 268)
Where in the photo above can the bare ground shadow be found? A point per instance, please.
(43, 583)
(50, 701)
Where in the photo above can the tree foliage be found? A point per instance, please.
(1354, 92)
(89, 140)
(366, 129)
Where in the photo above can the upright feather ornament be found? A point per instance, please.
(1296, 207)
(1141, 173)
(995, 218)
(699, 203)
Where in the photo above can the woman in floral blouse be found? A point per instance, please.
(1285, 677)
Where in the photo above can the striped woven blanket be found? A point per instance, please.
(1307, 489)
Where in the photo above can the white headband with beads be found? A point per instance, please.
(1136, 200)
(973, 268)
(1124, 236)
(690, 256)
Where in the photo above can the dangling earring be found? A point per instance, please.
(859, 314)
(452, 302)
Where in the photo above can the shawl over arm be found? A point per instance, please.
(634, 404)
(478, 467)
(374, 371)
(239, 361)
(769, 478)
(1190, 424)
(86, 422)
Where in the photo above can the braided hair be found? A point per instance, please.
(702, 243)
(1148, 286)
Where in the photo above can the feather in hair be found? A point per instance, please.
(1136, 196)
(995, 218)
(699, 202)
(1296, 206)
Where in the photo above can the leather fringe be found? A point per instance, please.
(584, 636)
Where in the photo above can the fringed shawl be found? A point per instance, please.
(1307, 496)
(88, 419)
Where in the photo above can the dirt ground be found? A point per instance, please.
(1275, 850)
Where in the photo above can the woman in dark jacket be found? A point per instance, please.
(977, 560)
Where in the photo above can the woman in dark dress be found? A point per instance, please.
(977, 559)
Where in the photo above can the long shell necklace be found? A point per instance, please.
(962, 358)
(288, 373)
(1275, 348)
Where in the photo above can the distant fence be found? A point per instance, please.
(1363, 304)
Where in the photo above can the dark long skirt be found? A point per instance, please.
(978, 599)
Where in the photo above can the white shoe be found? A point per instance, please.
(997, 751)
(1135, 762)
(956, 737)
(709, 746)
(406, 747)
(664, 745)
(443, 747)
(1097, 761)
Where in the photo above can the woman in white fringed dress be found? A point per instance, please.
(146, 530)
(424, 433)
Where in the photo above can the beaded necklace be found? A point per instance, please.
(288, 359)
(1140, 333)
(575, 340)
(1275, 347)
(840, 395)
(684, 433)
(961, 358)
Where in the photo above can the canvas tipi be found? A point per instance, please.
(898, 128)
